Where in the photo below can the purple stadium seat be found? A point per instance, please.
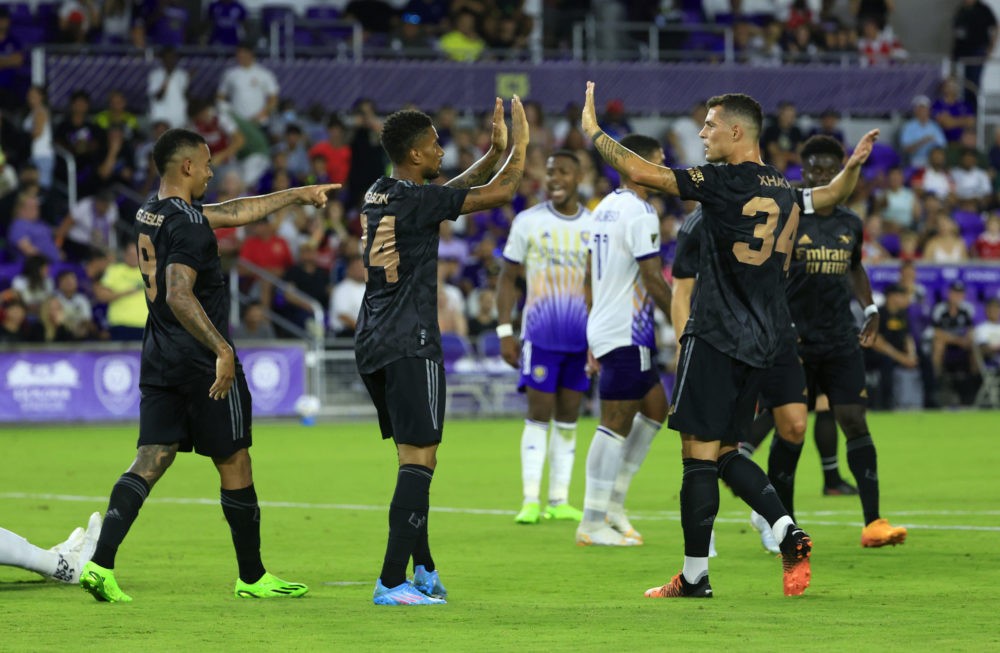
(489, 345)
(326, 33)
(882, 158)
(891, 243)
(454, 347)
(7, 273)
(969, 223)
(20, 13)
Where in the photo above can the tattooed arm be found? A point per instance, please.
(501, 188)
(191, 314)
(622, 159)
(244, 210)
(480, 171)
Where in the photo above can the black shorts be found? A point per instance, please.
(784, 382)
(841, 378)
(409, 396)
(715, 395)
(185, 414)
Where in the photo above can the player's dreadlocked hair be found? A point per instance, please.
(400, 130)
(820, 144)
(170, 142)
(740, 106)
(644, 146)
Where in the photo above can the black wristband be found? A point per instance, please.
(594, 138)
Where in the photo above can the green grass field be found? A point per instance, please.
(324, 492)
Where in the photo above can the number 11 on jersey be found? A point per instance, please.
(601, 248)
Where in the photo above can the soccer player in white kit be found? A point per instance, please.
(548, 246)
(625, 282)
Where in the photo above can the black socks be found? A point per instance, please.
(699, 505)
(751, 484)
(781, 464)
(243, 514)
(863, 461)
(127, 497)
(408, 524)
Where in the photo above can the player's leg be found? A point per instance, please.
(825, 436)
(645, 425)
(538, 381)
(786, 448)
(844, 380)
(413, 394)
(62, 562)
(572, 383)
(763, 424)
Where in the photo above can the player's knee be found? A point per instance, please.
(852, 421)
(152, 460)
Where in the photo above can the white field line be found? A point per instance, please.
(738, 518)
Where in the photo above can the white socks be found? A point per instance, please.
(562, 451)
(694, 569)
(16, 551)
(637, 444)
(532, 458)
(604, 459)
(780, 528)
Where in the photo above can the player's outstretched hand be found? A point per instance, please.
(593, 365)
(869, 331)
(588, 119)
(518, 122)
(498, 140)
(510, 352)
(863, 149)
(225, 374)
(315, 195)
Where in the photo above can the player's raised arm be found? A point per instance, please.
(502, 187)
(244, 210)
(191, 314)
(480, 171)
(841, 187)
(621, 158)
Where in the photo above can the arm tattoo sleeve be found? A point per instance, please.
(188, 310)
(244, 210)
(617, 156)
(477, 174)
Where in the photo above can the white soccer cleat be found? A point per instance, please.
(604, 536)
(90, 537)
(68, 567)
(620, 523)
(766, 536)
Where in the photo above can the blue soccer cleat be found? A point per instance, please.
(428, 583)
(403, 594)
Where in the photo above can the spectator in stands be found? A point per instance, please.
(951, 342)
(413, 39)
(829, 125)
(219, 130)
(14, 327)
(879, 46)
(462, 43)
(947, 246)
(93, 270)
(11, 59)
(376, 18)
(250, 89)
(875, 10)
(894, 348)
(33, 285)
(28, 235)
(909, 246)
(265, 249)
(432, 14)
(504, 38)
(310, 279)
(84, 140)
(230, 239)
(293, 146)
(38, 125)
(451, 247)
(145, 178)
(76, 18)
(117, 21)
(91, 222)
(872, 250)
(368, 159)
(988, 243)
(53, 322)
(123, 290)
(684, 139)
(118, 115)
(952, 112)
(484, 320)
(347, 297)
(78, 314)
(167, 22)
(781, 140)
(936, 180)
(898, 204)
(335, 150)
(227, 18)
(614, 122)
(986, 336)
(255, 325)
(973, 187)
(915, 291)
(975, 36)
(920, 134)
(450, 318)
(801, 46)
(8, 184)
(166, 88)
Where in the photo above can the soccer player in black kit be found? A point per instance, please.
(194, 394)
(750, 213)
(826, 272)
(398, 343)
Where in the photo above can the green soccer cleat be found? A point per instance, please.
(530, 513)
(102, 584)
(564, 512)
(269, 586)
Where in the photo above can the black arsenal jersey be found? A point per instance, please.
(827, 248)
(172, 231)
(750, 213)
(687, 256)
(400, 224)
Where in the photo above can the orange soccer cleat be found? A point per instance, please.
(881, 533)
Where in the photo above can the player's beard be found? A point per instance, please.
(200, 195)
(431, 175)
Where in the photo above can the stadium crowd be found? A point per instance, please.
(930, 192)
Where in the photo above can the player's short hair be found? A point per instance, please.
(566, 154)
(401, 130)
(644, 146)
(819, 144)
(170, 143)
(739, 105)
